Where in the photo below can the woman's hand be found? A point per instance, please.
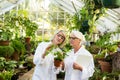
(62, 65)
(47, 49)
(77, 66)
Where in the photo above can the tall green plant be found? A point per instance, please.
(104, 40)
(18, 46)
(30, 27)
(6, 75)
(6, 51)
(84, 19)
(5, 30)
(19, 23)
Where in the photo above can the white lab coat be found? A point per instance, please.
(44, 69)
(73, 74)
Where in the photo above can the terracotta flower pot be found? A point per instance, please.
(57, 63)
(105, 66)
(27, 39)
(4, 43)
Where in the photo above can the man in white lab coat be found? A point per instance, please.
(79, 64)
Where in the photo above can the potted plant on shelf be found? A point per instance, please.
(30, 28)
(6, 51)
(19, 48)
(5, 33)
(105, 44)
(7, 69)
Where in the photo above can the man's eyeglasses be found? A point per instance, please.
(73, 38)
(59, 35)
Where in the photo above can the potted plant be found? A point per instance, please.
(60, 54)
(84, 20)
(30, 27)
(17, 22)
(6, 75)
(104, 58)
(58, 58)
(2, 63)
(19, 48)
(6, 51)
(5, 33)
(7, 69)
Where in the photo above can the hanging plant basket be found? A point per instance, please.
(85, 27)
(111, 3)
(98, 4)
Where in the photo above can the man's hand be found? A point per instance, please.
(77, 66)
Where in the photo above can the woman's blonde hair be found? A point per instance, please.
(56, 32)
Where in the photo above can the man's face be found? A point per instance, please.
(74, 41)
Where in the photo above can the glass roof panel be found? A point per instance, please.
(105, 23)
(69, 5)
(108, 22)
(6, 5)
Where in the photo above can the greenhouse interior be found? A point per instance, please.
(24, 24)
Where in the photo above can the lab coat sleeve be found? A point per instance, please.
(68, 68)
(88, 71)
(37, 60)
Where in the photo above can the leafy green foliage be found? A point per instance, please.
(63, 54)
(17, 22)
(58, 53)
(6, 68)
(104, 40)
(7, 65)
(58, 56)
(18, 46)
(30, 26)
(6, 51)
(101, 55)
(98, 75)
(5, 30)
(6, 75)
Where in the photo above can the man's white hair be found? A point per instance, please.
(79, 35)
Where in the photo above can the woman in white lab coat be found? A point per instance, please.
(79, 64)
(44, 60)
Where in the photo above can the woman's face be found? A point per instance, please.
(74, 41)
(59, 38)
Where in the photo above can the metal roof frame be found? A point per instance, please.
(7, 5)
(113, 17)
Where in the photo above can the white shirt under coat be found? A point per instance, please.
(73, 74)
(44, 68)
